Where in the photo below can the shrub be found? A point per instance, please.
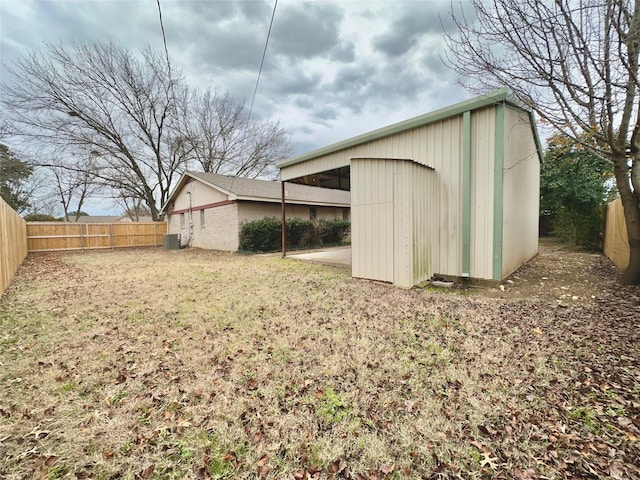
(333, 232)
(40, 217)
(265, 235)
(574, 188)
(262, 235)
(300, 233)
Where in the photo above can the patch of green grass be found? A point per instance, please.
(587, 417)
(67, 387)
(223, 458)
(59, 472)
(7, 342)
(332, 409)
(144, 419)
(118, 397)
(126, 447)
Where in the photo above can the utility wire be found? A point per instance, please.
(264, 54)
(166, 52)
(255, 90)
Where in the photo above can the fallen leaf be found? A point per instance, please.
(387, 469)
(146, 471)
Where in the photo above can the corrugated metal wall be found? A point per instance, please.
(424, 181)
(391, 231)
(372, 219)
(482, 179)
(521, 192)
(437, 207)
(423, 145)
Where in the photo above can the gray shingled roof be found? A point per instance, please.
(251, 189)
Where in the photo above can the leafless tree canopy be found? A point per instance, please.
(218, 138)
(73, 184)
(575, 63)
(133, 119)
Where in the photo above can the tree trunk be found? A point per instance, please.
(631, 209)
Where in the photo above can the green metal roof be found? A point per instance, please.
(501, 95)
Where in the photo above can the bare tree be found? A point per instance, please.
(218, 137)
(74, 185)
(575, 63)
(107, 102)
(133, 208)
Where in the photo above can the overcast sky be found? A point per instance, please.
(333, 69)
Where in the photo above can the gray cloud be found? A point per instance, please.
(330, 65)
(404, 33)
(305, 30)
(344, 52)
(256, 11)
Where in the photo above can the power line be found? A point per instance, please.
(255, 90)
(264, 54)
(166, 52)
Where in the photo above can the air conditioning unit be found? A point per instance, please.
(171, 241)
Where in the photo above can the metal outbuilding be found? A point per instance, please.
(452, 193)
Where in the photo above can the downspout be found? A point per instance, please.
(190, 220)
(283, 222)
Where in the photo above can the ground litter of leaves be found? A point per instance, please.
(141, 364)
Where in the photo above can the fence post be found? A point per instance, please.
(155, 234)
(81, 236)
(111, 236)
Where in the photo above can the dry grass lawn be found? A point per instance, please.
(196, 364)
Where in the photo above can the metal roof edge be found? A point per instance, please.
(295, 202)
(499, 95)
(411, 160)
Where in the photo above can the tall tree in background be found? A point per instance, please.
(575, 186)
(14, 174)
(74, 185)
(132, 118)
(576, 64)
(218, 137)
(105, 101)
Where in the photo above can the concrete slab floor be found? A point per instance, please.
(337, 256)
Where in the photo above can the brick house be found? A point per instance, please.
(208, 209)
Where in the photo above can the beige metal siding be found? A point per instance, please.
(413, 144)
(444, 151)
(391, 229)
(438, 145)
(412, 189)
(482, 182)
(422, 203)
(521, 192)
(372, 219)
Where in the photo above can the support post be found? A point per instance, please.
(284, 222)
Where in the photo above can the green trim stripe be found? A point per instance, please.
(466, 192)
(498, 190)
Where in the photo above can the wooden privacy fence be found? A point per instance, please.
(13, 243)
(52, 236)
(616, 242)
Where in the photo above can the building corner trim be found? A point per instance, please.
(498, 190)
(466, 193)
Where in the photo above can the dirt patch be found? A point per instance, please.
(559, 276)
(195, 364)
